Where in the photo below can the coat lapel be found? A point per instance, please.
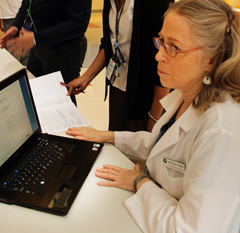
(182, 125)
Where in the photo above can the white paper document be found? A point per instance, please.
(55, 110)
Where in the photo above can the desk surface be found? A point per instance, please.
(95, 210)
(8, 64)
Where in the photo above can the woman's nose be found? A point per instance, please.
(160, 56)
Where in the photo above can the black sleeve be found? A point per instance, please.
(77, 19)
(21, 15)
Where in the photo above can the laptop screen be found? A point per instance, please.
(18, 119)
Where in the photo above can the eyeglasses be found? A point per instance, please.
(170, 49)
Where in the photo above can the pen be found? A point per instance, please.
(64, 84)
(120, 53)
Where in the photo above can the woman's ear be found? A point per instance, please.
(210, 63)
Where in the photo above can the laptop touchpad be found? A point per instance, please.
(67, 172)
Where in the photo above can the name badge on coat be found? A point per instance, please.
(180, 167)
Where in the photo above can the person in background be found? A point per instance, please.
(128, 55)
(8, 11)
(191, 182)
(53, 31)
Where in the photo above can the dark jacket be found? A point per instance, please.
(142, 72)
(56, 21)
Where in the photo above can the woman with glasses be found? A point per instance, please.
(127, 53)
(191, 182)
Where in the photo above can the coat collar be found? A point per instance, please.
(171, 103)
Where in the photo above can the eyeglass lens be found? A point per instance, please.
(157, 43)
(168, 48)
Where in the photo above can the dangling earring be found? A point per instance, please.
(207, 80)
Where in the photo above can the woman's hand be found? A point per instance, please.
(21, 44)
(10, 33)
(77, 85)
(118, 177)
(80, 84)
(92, 135)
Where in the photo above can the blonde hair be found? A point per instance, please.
(210, 21)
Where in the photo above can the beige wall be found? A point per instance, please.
(97, 5)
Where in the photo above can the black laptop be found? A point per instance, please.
(39, 171)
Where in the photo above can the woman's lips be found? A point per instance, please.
(161, 72)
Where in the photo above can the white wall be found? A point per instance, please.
(97, 5)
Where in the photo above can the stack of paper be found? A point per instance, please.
(55, 109)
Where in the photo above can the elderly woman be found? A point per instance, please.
(192, 179)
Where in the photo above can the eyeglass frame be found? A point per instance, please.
(171, 46)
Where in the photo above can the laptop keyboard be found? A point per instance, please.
(31, 176)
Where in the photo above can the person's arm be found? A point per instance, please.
(21, 15)
(156, 108)
(15, 28)
(77, 15)
(10, 34)
(92, 135)
(135, 145)
(79, 84)
(156, 9)
(210, 202)
(120, 178)
(21, 44)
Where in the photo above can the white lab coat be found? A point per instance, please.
(204, 199)
(9, 8)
